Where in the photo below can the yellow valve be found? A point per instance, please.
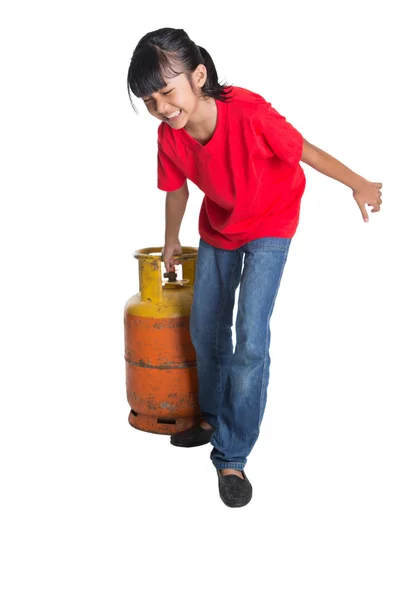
(150, 280)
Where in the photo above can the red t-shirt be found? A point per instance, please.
(249, 171)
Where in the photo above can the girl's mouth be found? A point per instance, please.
(173, 118)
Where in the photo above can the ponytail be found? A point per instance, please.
(212, 87)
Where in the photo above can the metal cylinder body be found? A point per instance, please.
(161, 377)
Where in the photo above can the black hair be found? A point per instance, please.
(168, 52)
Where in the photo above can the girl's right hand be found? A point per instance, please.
(168, 251)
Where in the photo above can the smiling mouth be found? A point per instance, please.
(172, 118)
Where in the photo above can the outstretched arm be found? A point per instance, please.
(364, 191)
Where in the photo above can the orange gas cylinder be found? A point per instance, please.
(161, 376)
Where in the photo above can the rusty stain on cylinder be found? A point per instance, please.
(161, 373)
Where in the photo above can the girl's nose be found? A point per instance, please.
(161, 108)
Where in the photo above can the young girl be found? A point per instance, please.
(245, 157)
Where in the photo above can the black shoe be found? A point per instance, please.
(195, 436)
(234, 491)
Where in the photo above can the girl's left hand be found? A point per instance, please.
(369, 194)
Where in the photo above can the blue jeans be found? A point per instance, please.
(232, 385)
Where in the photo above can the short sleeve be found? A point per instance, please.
(170, 178)
(285, 141)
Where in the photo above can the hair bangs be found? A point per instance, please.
(148, 69)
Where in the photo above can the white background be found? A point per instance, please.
(90, 507)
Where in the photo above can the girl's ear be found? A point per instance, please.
(200, 75)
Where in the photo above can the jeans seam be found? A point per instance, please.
(218, 327)
(267, 340)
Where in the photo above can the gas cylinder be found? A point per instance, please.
(160, 359)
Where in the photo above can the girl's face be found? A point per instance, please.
(176, 102)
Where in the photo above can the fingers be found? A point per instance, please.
(375, 203)
(168, 266)
(169, 262)
(173, 261)
(376, 207)
(172, 264)
(379, 185)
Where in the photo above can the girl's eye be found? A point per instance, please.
(163, 93)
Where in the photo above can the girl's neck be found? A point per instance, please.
(201, 126)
